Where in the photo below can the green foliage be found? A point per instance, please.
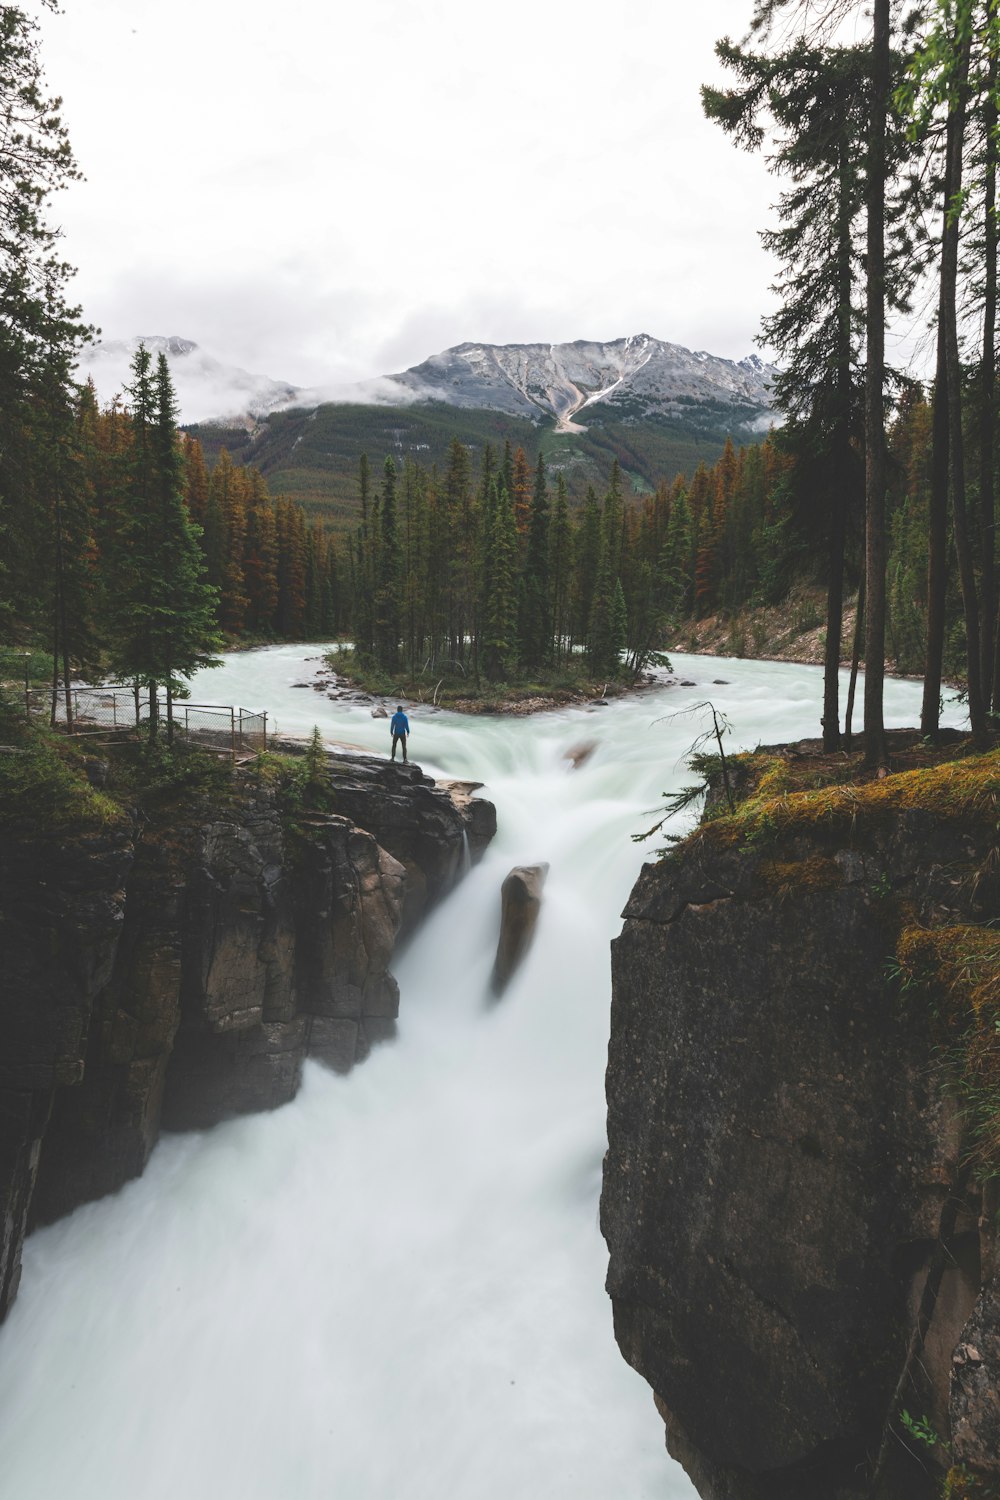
(708, 765)
(919, 1428)
(956, 972)
(162, 611)
(499, 636)
(301, 783)
(44, 786)
(42, 547)
(157, 776)
(313, 456)
(14, 663)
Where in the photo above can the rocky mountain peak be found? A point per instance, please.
(636, 376)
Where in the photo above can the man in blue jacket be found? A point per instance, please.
(400, 726)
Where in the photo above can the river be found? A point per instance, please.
(392, 1288)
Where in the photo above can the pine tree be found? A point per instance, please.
(388, 581)
(364, 582)
(162, 609)
(195, 479)
(184, 628)
(618, 633)
(499, 643)
(535, 631)
(66, 544)
(521, 492)
(291, 539)
(561, 572)
(260, 558)
(458, 527)
(227, 517)
(672, 567)
(40, 333)
(588, 560)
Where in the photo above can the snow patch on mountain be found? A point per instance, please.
(635, 377)
(632, 378)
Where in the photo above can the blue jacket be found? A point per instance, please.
(399, 724)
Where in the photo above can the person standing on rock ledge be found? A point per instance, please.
(400, 726)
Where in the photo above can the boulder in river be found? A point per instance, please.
(520, 901)
(577, 755)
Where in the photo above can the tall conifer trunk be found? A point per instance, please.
(987, 500)
(859, 635)
(841, 470)
(949, 285)
(875, 751)
(937, 527)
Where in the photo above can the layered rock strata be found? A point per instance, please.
(179, 972)
(798, 1246)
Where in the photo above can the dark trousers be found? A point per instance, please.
(395, 740)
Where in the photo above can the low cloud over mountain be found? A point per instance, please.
(630, 378)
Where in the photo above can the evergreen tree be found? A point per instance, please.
(499, 643)
(535, 633)
(40, 333)
(588, 561)
(364, 587)
(291, 540)
(226, 529)
(521, 494)
(162, 610)
(458, 527)
(389, 575)
(260, 559)
(561, 572)
(195, 479)
(674, 555)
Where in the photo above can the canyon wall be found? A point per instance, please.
(178, 970)
(801, 1236)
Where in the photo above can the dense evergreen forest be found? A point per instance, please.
(312, 455)
(123, 551)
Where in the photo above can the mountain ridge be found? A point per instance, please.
(636, 376)
(633, 377)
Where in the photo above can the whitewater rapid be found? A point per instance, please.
(392, 1288)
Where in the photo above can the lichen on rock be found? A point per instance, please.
(789, 1158)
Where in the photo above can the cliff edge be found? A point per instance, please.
(803, 1095)
(176, 963)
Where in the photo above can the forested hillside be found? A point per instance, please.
(313, 455)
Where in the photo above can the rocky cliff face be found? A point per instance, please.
(638, 376)
(799, 1248)
(179, 973)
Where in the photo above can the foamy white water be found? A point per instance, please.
(392, 1288)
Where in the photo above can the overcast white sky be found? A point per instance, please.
(324, 191)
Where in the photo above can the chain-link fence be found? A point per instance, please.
(117, 708)
(113, 709)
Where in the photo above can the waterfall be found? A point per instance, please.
(393, 1286)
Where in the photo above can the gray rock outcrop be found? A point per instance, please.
(520, 903)
(785, 1164)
